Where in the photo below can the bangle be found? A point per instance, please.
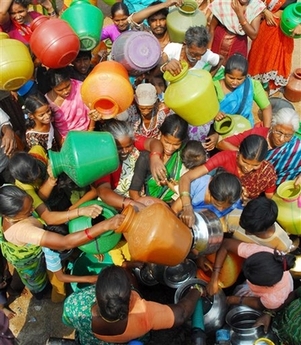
(49, 180)
(187, 205)
(153, 153)
(185, 194)
(241, 298)
(244, 23)
(217, 269)
(88, 235)
(161, 67)
(269, 312)
(197, 287)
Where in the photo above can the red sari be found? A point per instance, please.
(270, 57)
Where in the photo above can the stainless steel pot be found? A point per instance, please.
(214, 308)
(172, 276)
(241, 320)
(207, 232)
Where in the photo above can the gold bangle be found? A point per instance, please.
(161, 67)
(269, 312)
(185, 194)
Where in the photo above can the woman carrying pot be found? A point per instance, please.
(249, 165)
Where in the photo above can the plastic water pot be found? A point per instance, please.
(231, 125)
(180, 19)
(108, 89)
(86, 20)
(292, 91)
(137, 51)
(15, 63)
(101, 244)
(53, 42)
(290, 18)
(191, 95)
(85, 156)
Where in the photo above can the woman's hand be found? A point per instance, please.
(269, 18)
(92, 211)
(8, 142)
(238, 8)
(187, 216)
(114, 222)
(297, 181)
(157, 168)
(220, 116)
(212, 287)
(211, 142)
(265, 321)
(92, 279)
(94, 115)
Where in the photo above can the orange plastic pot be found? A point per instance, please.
(15, 63)
(53, 42)
(108, 89)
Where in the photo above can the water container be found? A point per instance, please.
(15, 63)
(191, 94)
(231, 125)
(108, 89)
(290, 18)
(180, 19)
(137, 51)
(53, 42)
(86, 20)
(292, 91)
(85, 157)
(103, 243)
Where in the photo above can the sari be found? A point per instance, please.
(29, 262)
(73, 113)
(270, 56)
(173, 168)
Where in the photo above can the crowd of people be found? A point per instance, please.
(162, 159)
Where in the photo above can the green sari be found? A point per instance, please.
(173, 168)
(28, 261)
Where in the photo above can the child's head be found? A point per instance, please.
(24, 167)
(59, 81)
(82, 62)
(37, 108)
(196, 40)
(119, 15)
(266, 269)
(236, 70)
(173, 133)
(193, 154)
(258, 215)
(225, 189)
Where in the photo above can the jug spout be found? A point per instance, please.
(129, 213)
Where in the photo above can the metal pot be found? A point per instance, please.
(172, 276)
(207, 232)
(241, 320)
(214, 307)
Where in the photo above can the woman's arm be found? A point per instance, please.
(4, 7)
(70, 278)
(212, 26)
(90, 195)
(141, 172)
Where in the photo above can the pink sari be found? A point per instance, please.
(73, 113)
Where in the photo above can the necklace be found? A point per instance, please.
(109, 321)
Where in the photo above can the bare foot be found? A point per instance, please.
(9, 313)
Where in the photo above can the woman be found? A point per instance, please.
(148, 114)
(15, 18)
(249, 165)
(272, 69)
(22, 237)
(173, 133)
(68, 108)
(268, 280)
(116, 313)
(232, 23)
(284, 149)
(236, 92)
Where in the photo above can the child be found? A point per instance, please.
(258, 225)
(40, 130)
(81, 66)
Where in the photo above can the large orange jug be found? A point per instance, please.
(53, 42)
(288, 200)
(191, 95)
(108, 89)
(15, 63)
(292, 91)
(156, 235)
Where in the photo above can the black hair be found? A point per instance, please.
(254, 147)
(197, 35)
(237, 62)
(119, 6)
(163, 11)
(113, 291)
(174, 125)
(266, 269)
(56, 76)
(193, 154)
(24, 167)
(225, 186)
(258, 215)
(23, 3)
(32, 103)
(11, 200)
(84, 53)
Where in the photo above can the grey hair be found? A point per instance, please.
(286, 116)
(119, 129)
(197, 35)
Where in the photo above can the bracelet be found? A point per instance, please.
(241, 298)
(161, 67)
(185, 194)
(153, 153)
(217, 269)
(243, 23)
(88, 235)
(269, 312)
(187, 205)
